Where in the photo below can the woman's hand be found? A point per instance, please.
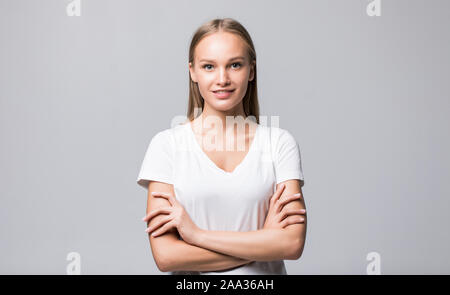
(278, 217)
(177, 218)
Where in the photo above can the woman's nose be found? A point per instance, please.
(223, 76)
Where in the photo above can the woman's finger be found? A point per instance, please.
(286, 200)
(277, 193)
(286, 213)
(292, 220)
(158, 211)
(163, 229)
(159, 224)
(167, 196)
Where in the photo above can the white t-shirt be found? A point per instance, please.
(220, 200)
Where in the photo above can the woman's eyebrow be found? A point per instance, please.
(233, 58)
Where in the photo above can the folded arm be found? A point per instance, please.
(221, 250)
(181, 256)
(172, 254)
(264, 244)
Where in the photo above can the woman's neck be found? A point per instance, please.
(211, 119)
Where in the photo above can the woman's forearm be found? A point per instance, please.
(187, 257)
(257, 245)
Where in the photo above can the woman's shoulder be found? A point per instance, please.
(162, 137)
(170, 132)
(173, 136)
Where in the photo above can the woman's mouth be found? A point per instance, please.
(223, 93)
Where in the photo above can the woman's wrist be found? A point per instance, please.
(198, 237)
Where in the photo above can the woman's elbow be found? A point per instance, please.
(162, 263)
(296, 250)
(162, 256)
(162, 266)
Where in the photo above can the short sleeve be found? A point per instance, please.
(286, 156)
(158, 162)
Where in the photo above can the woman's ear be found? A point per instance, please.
(252, 71)
(191, 71)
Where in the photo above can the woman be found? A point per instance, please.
(212, 209)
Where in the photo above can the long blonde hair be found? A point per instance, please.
(250, 100)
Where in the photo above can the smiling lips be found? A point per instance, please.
(223, 93)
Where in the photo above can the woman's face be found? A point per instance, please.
(221, 62)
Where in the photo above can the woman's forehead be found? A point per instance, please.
(220, 46)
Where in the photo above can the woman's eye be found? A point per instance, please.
(237, 63)
(207, 66)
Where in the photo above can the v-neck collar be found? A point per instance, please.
(211, 162)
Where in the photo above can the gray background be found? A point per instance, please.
(367, 99)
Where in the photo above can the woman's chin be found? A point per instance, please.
(224, 105)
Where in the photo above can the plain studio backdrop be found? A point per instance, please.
(366, 97)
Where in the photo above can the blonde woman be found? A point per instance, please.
(213, 209)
